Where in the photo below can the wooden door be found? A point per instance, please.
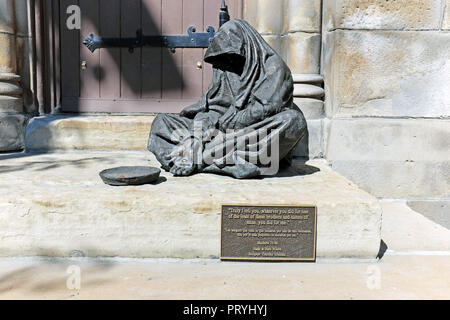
(148, 80)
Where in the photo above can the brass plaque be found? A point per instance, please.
(268, 233)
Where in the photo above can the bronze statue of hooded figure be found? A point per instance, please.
(245, 123)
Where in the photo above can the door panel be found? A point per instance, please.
(172, 23)
(69, 55)
(109, 77)
(192, 75)
(147, 80)
(151, 57)
(89, 77)
(130, 62)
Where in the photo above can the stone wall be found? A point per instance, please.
(386, 65)
(292, 27)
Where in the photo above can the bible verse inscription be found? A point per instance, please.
(268, 233)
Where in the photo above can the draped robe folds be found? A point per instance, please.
(250, 97)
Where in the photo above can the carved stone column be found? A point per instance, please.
(12, 120)
(293, 29)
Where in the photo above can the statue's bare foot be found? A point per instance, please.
(183, 167)
(182, 157)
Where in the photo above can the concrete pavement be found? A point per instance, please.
(393, 277)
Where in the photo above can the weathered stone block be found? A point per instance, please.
(382, 14)
(387, 73)
(24, 61)
(57, 203)
(10, 93)
(406, 140)
(266, 16)
(7, 55)
(19, 12)
(10, 104)
(301, 52)
(12, 128)
(311, 108)
(393, 158)
(5, 18)
(250, 11)
(21, 9)
(301, 15)
(9, 88)
(275, 42)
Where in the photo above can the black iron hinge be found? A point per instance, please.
(193, 39)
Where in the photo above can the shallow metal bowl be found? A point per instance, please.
(125, 176)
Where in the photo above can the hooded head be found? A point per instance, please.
(227, 51)
(237, 48)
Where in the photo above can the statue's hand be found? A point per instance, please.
(191, 111)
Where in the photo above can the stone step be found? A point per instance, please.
(55, 204)
(88, 133)
(105, 132)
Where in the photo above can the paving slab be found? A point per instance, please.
(393, 277)
(404, 229)
(437, 210)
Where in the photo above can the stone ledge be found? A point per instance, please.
(112, 133)
(398, 179)
(379, 139)
(56, 203)
(394, 158)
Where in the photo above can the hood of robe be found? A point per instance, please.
(237, 41)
